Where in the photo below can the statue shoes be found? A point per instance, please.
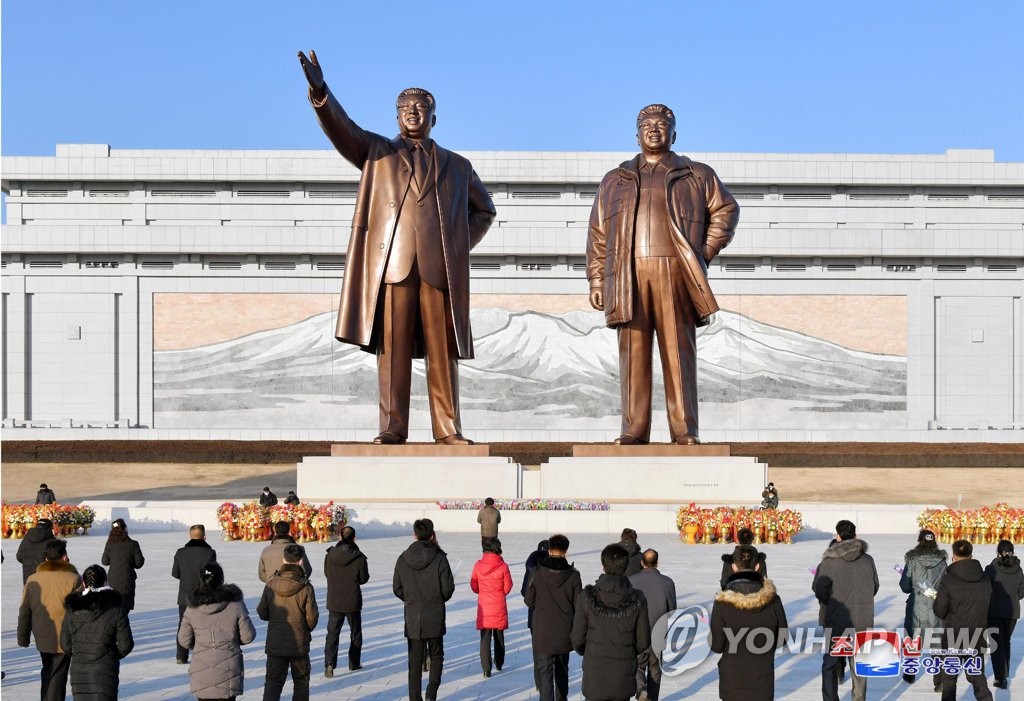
(389, 438)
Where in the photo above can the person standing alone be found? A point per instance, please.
(346, 569)
(488, 517)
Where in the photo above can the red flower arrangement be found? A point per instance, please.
(720, 524)
(309, 522)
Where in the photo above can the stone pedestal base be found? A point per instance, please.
(409, 477)
(639, 478)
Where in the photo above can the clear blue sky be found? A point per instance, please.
(894, 76)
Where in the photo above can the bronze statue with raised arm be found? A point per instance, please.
(656, 223)
(419, 212)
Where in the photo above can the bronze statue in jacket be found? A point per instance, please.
(657, 221)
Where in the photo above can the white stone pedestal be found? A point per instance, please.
(407, 478)
(721, 480)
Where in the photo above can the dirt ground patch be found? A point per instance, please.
(73, 482)
(974, 486)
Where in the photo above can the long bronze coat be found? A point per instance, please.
(703, 215)
(465, 209)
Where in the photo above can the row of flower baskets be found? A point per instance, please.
(720, 524)
(309, 522)
(523, 505)
(67, 519)
(989, 524)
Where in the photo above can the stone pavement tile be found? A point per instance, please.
(150, 671)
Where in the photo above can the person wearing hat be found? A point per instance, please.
(33, 545)
(925, 565)
(45, 495)
(1004, 608)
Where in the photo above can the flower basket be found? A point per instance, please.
(986, 525)
(308, 522)
(721, 523)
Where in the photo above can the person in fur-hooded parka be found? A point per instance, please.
(215, 625)
(96, 636)
(748, 607)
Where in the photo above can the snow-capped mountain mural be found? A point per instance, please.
(532, 370)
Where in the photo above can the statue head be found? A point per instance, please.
(655, 129)
(415, 113)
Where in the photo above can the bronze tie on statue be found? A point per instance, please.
(420, 166)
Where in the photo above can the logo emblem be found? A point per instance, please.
(876, 653)
(683, 635)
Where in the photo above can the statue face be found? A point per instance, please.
(655, 134)
(415, 116)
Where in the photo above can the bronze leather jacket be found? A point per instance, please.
(703, 215)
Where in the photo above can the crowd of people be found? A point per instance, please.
(81, 623)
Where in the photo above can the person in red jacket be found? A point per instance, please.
(492, 581)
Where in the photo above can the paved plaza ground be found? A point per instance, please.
(150, 671)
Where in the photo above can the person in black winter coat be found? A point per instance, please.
(123, 556)
(423, 580)
(551, 593)
(268, 498)
(747, 609)
(744, 536)
(291, 499)
(1004, 609)
(610, 629)
(96, 636)
(189, 561)
(628, 541)
(346, 570)
(964, 593)
(45, 495)
(30, 550)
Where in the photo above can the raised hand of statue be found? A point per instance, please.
(314, 74)
(597, 299)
